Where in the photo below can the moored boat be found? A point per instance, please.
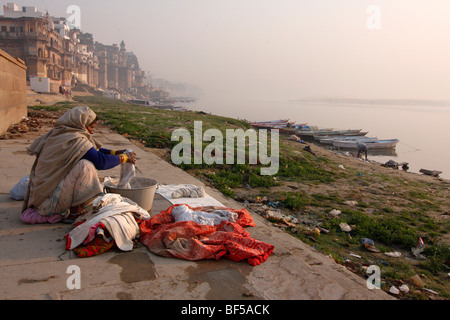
(283, 125)
(330, 139)
(371, 145)
(310, 135)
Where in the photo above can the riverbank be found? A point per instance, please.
(36, 265)
(312, 197)
(419, 125)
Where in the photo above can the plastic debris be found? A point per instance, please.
(272, 204)
(314, 232)
(345, 227)
(431, 291)
(393, 254)
(416, 281)
(417, 251)
(420, 244)
(355, 255)
(341, 166)
(369, 245)
(323, 230)
(350, 266)
(351, 203)
(404, 288)
(394, 290)
(335, 213)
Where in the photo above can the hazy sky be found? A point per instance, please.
(281, 49)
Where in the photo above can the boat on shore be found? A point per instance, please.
(311, 135)
(151, 104)
(285, 126)
(328, 140)
(371, 145)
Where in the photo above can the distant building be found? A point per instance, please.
(31, 36)
(119, 69)
(67, 56)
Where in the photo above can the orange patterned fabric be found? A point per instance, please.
(192, 241)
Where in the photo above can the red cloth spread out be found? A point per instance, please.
(191, 241)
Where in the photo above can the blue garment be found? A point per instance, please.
(102, 159)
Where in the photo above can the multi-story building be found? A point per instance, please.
(119, 69)
(31, 36)
(66, 56)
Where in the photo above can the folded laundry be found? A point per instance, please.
(189, 192)
(168, 191)
(189, 240)
(80, 233)
(123, 228)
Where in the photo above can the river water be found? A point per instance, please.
(423, 127)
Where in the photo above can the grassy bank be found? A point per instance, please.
(390, 207)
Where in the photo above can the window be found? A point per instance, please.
(12, 28)
(4, 28)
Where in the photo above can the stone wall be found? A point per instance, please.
(13, 91)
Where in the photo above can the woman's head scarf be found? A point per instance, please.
(58, 152)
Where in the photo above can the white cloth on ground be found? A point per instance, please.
(189, 192)
(214, 218)
(166, 191)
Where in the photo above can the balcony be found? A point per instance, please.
(34, 57)
(36, 35)
(12, 35)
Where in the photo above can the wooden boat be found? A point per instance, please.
(271, 124)
(151, 104)
(330, 139)
(310, 135)
(371, 145)
(284, 126)
(433, 173)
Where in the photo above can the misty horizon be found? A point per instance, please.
(288, 50)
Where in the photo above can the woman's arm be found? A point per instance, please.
(103, 160)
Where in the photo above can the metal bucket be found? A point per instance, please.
(142, 191)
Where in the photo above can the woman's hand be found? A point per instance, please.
(131, 157)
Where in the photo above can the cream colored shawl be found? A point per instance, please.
(58, 152)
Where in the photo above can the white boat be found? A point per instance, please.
(329, 132)
(275, 124)
(371, 145)
(330, 139)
